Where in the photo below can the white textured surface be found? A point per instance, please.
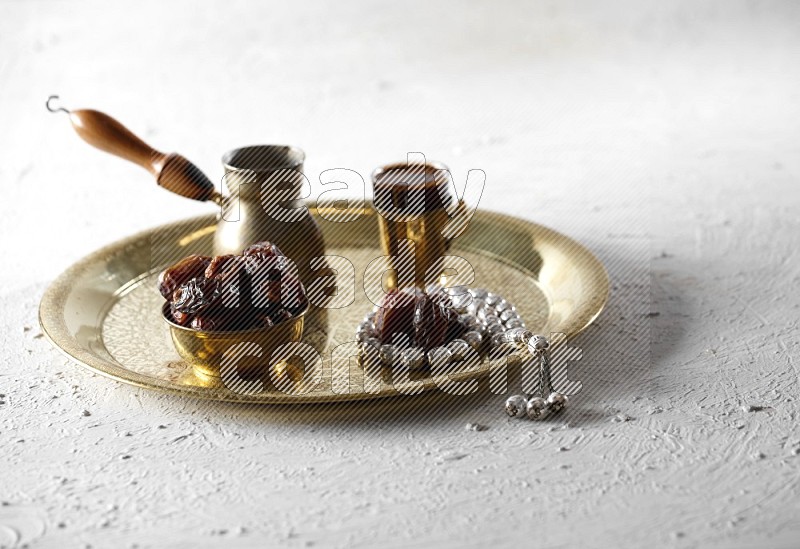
(665, 137)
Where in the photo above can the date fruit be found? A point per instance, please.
(267, 249)
(233, 292)
(183, 271)
(427, 320)
(194, 295)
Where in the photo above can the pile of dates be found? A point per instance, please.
(257, 289)
(424, 319)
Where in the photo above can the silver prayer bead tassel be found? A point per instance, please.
(498, 340)
(388, 353)
(459, 297)
(476, 306)
(459, 348)
(536, 408)
(456, 290)
(556, 402)
(508, 314)
(504, 337)
(490, 318)
(469, 321)
(367, 326)
(495, 328)
(537, 344)
(461, 302)
(479, 293)
(485, 316)
(473, 339)
(515, 323)
(440, 356)
(516, 406)
(518, 336)
(500, 347)
(412, 358)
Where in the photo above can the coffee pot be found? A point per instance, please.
(264, 188)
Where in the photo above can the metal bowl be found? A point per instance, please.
(248, 354)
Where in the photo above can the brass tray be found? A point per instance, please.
(104, 311)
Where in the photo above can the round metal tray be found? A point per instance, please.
(104, 311)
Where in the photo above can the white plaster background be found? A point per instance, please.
(664, 136)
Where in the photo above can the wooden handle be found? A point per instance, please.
(107, 134)
(172, 171)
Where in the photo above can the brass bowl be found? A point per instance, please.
(248, 354)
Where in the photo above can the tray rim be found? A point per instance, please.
(54, 329)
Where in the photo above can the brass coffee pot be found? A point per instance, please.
(264, 184)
